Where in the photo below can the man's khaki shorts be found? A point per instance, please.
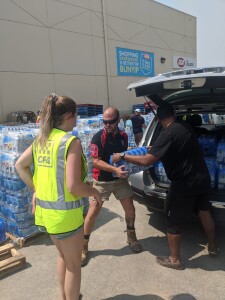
(120, 188)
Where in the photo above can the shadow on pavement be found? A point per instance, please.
(15, 271)
(193, 242)
(151, 297)
(106, 216)
(183, 297)
(42, 240)
(131, 297)
(110, 252)
(158, 221)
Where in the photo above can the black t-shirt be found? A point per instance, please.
(137, 122)
(103, 145)
(178, 148)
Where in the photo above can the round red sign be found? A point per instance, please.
(181, 62)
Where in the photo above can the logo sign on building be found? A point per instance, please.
(181, 62)
(134, 62)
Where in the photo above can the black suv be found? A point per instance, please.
(198, 97)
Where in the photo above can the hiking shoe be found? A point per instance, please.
(165, 261)
(84, 257)
(213, 251)
(133, 242)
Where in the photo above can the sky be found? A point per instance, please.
(210, 28)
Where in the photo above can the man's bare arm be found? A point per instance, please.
(102, 165)
(139, 160)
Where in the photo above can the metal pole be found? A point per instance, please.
(106, 53)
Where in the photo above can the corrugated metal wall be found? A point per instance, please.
(51, 45)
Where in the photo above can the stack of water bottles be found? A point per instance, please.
(130, 135)
(208, 144)
(2, 231)
(85, 129)
(148, 118)
(129, 167)
(129, 130)
(220, 157)
(214, 154)
(15, 197)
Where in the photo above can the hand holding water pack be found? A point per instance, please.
(129, 167)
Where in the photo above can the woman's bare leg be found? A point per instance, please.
(61, 267)
(69, 265)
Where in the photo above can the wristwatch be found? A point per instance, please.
(122, 155)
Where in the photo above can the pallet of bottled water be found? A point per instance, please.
(15, 197)
(85, 129)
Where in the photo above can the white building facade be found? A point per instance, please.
(89, 50)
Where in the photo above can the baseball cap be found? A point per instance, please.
(164, 111)
(137, 110)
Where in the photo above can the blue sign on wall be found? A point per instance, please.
(134, 62)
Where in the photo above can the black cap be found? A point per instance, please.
(165, 111)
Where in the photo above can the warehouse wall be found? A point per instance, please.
(52, 45)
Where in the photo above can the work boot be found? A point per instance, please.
(132, 241)
(84, 257)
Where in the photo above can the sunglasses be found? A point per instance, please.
(110, 122)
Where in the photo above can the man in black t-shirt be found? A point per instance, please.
(138, 123)
(178, 149)
(104, 143)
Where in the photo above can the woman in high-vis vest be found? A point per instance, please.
(58, 183)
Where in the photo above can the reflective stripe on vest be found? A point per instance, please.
(59, 205)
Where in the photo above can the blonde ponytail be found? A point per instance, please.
(52, 112)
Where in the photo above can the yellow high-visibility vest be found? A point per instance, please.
(57, 209)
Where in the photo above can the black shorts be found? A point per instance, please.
(181, 206)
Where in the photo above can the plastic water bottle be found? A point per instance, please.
(223, 151)
(128, 124)
(24, 232)
(211, 164)
(221, 177)
(220, 154)
(12, 228)
(134, 151)
(121, 124)
(2, 230)
(148, 118)
(129, 167)
(203, 144)
(137, 151)
(214, 142)
(156, 168)
(75, 132)
(160, 172)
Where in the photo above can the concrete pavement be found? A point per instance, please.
(114, 273)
